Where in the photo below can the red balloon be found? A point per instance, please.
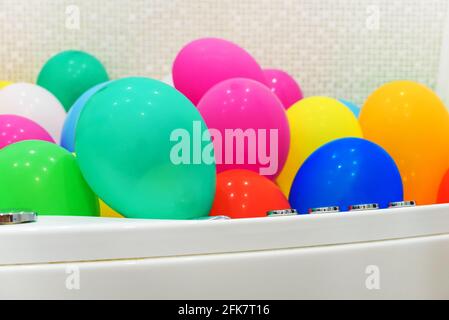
(443, 193)
(245, 194)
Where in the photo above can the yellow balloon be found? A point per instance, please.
(314, 122)
(107, 212)
(4, 84)
(409, 121)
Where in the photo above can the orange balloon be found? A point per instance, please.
(409, 121)
(245, 194)
(443, 194)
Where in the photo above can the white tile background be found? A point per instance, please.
(340, 48)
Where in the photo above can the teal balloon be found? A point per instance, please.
(354, 108)
(144, 149)
(69, 74)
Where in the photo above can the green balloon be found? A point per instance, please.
(43, 177)
(69, 74)
(126, 151)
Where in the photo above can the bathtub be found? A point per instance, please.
(386, 254)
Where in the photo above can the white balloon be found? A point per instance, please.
(35, 103)
(168, 80)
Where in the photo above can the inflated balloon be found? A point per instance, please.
(443, 193)
(68, 131)
(314, 122)
(15, 129)
(134, 146)
(245, 194)
(347, 172)
(69, 74)
(244, 109)
(284, 86)
(43, 177)
(409, 121)
(206, 62)
(4, 84)
(354, 108)
(35, 103)
(107, 212)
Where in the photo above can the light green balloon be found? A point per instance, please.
(69, 74)
(43, 177)
(126, 154)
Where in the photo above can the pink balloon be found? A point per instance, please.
(15, 129)
(206, 62)
(284, 86)
(250, 106)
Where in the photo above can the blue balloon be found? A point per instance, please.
(354, 108)
(347, 172)
(69, 129)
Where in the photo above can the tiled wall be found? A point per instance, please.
(340, 48)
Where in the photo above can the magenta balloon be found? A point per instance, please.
(206, 62)
(284, 86)
(250, 106)
(15, 129)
